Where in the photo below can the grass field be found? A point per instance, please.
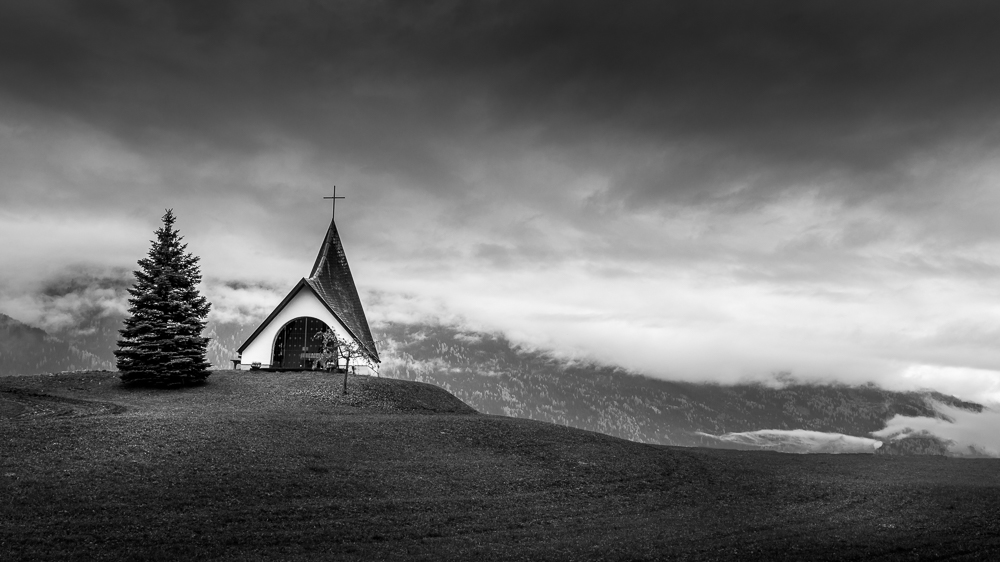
(257, 466)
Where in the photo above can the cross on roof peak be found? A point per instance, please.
(335, 201)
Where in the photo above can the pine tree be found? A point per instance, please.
(161, 342)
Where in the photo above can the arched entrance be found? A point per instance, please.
(296, 346)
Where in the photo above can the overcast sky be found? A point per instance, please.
(696, 190)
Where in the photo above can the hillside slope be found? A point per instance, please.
(90, 344)
(265, 466)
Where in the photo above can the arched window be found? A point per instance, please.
(296, 346)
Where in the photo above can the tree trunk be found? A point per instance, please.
(345, 380)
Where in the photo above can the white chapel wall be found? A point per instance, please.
(305, 303)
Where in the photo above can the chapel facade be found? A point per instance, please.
(327, 299)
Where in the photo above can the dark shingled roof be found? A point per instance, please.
(331, 280)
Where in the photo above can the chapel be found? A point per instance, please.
(327, 299)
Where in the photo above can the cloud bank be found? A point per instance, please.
(965, 433)
(799, 441)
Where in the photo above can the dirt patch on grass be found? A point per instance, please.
(21, 404)
(10, 408)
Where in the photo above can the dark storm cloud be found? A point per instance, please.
(237, 285)
(765, 95)
(78, 279)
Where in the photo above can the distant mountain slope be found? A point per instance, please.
(96, 333)
(224, 339)
(496, 377)
(27, 350)
(90, 344)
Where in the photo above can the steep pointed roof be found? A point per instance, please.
(332, 281)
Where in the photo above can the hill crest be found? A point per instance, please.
(80, 393)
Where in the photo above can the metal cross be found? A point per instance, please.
(335, 201)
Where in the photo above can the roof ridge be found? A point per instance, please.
(332, 282)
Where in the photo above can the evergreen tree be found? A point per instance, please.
(161, 343)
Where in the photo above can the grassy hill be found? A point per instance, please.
(256, 466)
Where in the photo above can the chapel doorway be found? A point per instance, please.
(297, 346)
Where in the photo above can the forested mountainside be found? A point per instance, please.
(496, 377)
(917, 443)
(224, 340)
(24, 349)
(96, 333)
(99, 334)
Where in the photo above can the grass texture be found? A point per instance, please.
(263, 466)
